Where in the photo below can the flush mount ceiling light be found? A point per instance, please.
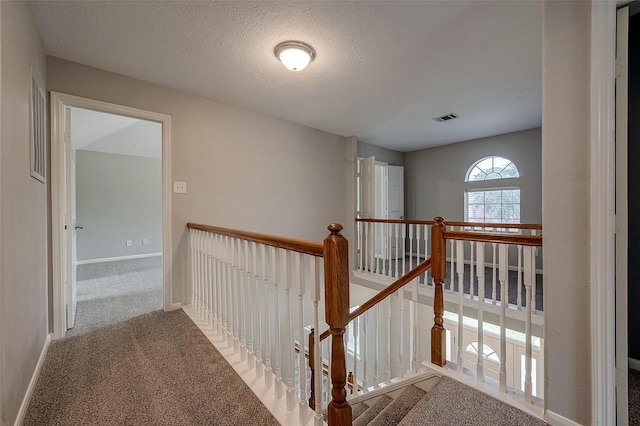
(295, 55)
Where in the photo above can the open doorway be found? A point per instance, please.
(110, 213)
(116, 208)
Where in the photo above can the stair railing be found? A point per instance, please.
(339, 411)
(259, 294)
(526, 274)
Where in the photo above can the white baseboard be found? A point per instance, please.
(113, 259)
(555, 419)
(174, 306)
(32, 383)
(634, 364)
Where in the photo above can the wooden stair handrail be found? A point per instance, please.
(379, 297)
(301, 246)
(488, 237)
(535, 226)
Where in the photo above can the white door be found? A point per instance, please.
(622, 385)
(367, 187)
(395, 210)
(381, 197)
(70, 258)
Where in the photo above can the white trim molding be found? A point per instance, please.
(602, 215)
(555, 419)
(58, 102)
(32, 383)
(114, 259)
(634, 364)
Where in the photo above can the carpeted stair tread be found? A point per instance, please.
(358, 409)
(364, 418)
(453, 403)
(399, 407)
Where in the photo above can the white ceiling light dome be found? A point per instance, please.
(295, 55)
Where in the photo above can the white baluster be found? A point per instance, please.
(220, 276)
(355, 324)
(360, 237)
(400, 297)
(266, 333)
(504, 302)
(315, 276)
(191, 276)
(372, 252)
(288, 349)
(417, 244)
(198, 276)
(404, 245)
(387, 366)
(233, 324)
(427, 246)
(426, 233)
(396, 228)
(415, 363)
(236, 297)
(533, 282)
(223, 281)
(480, 273)
(376, 345)
(472, 276)
(249, 304)
(519, 277)
(259, 306)
(460, 270)
(216, 276)
(210, 280)
(452, 275)
(411, 226)
(302, 365)
(242, 308)
(364, 352)
(494, 276)
(366, 247)
(528, 272)
(386, 248)
(379, 249)
(276, 274)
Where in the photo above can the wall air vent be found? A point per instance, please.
(446, 117)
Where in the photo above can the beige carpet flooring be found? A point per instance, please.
(156, 369)
(111, 292)
(126, 362)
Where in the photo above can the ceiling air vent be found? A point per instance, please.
(446, 117)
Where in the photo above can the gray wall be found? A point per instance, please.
(565, 207)
(118, 198)
(435, 184)
(389, 156)
(23, 214)
(243, 169)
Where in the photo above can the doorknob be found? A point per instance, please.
(78, 227)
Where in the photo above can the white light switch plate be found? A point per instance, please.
(179, 187)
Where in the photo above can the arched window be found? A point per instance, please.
(492, 168)
(487, 351)
(496, 204)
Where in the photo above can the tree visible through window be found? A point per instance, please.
(492, 205)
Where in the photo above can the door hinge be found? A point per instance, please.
(621, 68)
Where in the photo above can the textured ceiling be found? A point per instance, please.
(383, 69)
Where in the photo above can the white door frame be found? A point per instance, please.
(58, 102)
(602, 213)
(622, 229)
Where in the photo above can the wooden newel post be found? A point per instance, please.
(438, 268)
(336, 288)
